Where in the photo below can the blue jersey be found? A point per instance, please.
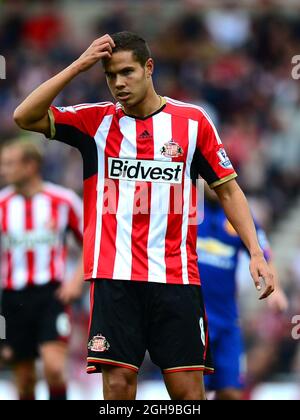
(218, 248)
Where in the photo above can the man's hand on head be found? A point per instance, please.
(99, 49)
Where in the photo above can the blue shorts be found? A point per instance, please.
(227, 353)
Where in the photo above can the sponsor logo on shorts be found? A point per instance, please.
(145, 170)
(98, 343)
(171, 149)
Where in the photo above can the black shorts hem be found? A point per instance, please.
(94, 365)
(205, 369)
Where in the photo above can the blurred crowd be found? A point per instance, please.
(235, 62)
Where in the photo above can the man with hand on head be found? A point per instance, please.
(142, 265)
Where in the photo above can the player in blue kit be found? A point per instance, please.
(219, 247)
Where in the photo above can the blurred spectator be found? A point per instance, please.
(229, 26)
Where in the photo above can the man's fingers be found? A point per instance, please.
(262, 276)
(103, 47)
(58, 292)
(104, 54)
(63, 297)
(269, 289)
(256, 279)
(108, 47)
(99, 49)
(268, 285)
(103, 40)
(98, 55)
(61, 294)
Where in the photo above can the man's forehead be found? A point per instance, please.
(12, 151)
(119, 60)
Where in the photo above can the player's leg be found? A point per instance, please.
(185, 385)
(210, 381)
(20, 349)
(116, 338)
(54, 357)
(228, 356)
(229, 394)
(25, 378)
(178, 338)
(118, 383)
(53, 337)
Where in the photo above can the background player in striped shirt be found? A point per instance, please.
(35, 217)
(219, 248)
(142, 157)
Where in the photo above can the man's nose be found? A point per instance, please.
(120, 82)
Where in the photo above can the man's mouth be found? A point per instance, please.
(123, 95)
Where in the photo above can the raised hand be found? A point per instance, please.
(100, 48)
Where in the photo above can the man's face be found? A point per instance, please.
(13, 167)
(127, 79)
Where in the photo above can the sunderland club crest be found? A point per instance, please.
(98, 343)
(171, 149)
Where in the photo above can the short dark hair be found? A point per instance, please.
(129, 41)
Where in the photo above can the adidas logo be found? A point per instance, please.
(145, 134)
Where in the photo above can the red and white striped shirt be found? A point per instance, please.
(139, 183)
(33, 235)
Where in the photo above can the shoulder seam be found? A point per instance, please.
(95, 105)
(198, 108)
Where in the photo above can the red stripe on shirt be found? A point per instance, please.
(53, 251)
(29, 254)
(7, 280)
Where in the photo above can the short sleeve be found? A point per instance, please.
(74, 125)
(211, 159)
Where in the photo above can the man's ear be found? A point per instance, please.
(149, 67)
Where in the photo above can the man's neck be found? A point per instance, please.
(30, 188)
(151, 103)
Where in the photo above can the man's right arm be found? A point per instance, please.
(32, 113)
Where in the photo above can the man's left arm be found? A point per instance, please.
(72, 289)
(238, 213)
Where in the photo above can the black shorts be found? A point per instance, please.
(128, 318)
(33, 317)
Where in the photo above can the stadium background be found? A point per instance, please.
(233, 58)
